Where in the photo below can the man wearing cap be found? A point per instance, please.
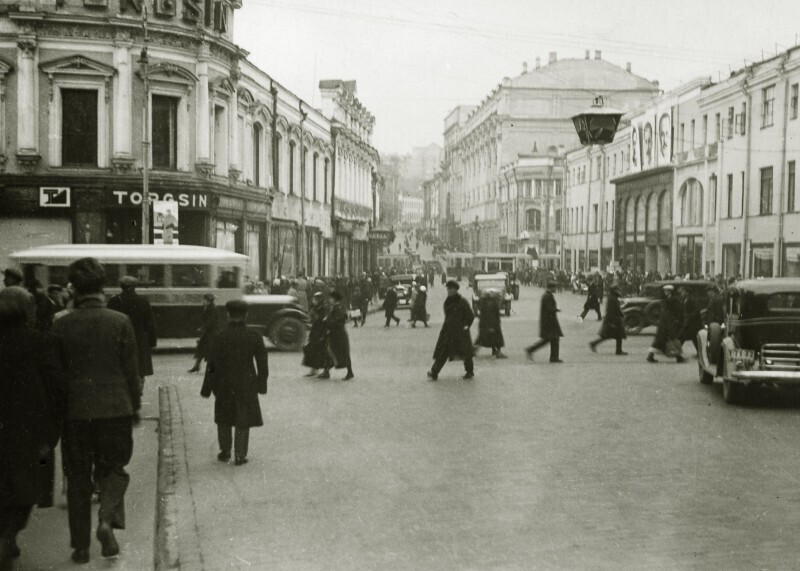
(549, 329)
(454, 339)
(11, 277)
(669, 325)
(138, 309)
(236, 382)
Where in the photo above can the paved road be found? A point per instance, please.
(603, 462)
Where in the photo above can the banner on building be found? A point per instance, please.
(165, 222)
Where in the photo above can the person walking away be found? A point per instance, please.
(33, 385)
(692, 318)
(236, 374)
(592, 300)
(211, 325)
(613, 323)
(454, 339)
(103, 396)
(490, 332)
(366, 296)
(315, 351)
(419, 310)
(666, 340)
(138, 309)
(389, 305)
(355, 305)
(549, 329)
(338, 341)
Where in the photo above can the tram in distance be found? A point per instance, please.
(174, 280)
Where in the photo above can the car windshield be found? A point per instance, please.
(488, 284)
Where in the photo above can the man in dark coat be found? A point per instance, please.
(211, 325)
(669, 327)
(138, 309)
(549, 329)
(315, 351)
(715, 312)
(338, 341)
(454, 339)
(613, 324)
(692, 318)
(389, 305)
(236, 382)
(592, 299)
(33, 389)
(490, 333)
(103, 397)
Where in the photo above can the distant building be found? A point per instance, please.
(411, 209)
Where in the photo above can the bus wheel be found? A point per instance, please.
(288, 334)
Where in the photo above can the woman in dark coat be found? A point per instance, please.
(315, 351)
(212, 324)
(669, 327)
(454, 340)
(490, 333)
(419, 311)
(549, 329)
(338, 341)
(613, 323)
(389, 305)
(32, 408)
(692, 318)
(236, 382)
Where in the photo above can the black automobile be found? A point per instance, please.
(280, 318)
(644, 310)
(402, 285)
(759, 343)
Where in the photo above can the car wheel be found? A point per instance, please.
(288, 334)
(705, 378)
(633, 323)
(652, 312)
(733, 393)
(508, 310)
(714, 341)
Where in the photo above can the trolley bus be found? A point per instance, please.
(174, 280)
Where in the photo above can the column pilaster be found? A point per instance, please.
(27, 117)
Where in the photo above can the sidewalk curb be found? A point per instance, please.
(177, 539)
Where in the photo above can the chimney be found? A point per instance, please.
(597, 54)
(524, 67)
(628, 67)
(538, 62)
(553, 57)
(588, 54)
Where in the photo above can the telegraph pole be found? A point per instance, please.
(144, 61)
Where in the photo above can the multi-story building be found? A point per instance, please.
(411, 209)
(520, 116)
(249, 165)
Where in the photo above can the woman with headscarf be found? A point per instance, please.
(33, 388)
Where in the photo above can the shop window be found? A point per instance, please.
(731, 260)
(765, 203)
(78, 127)
(791, 261)
(761, 261)
(164, 132)
(226, 235)
(690, 255)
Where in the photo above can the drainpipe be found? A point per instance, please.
(777, 269)
(508, 203)
(564, 185)
(601, 208)
(334, 144)
(302, 256)
(275, 183)
(744, 264)
(588, 208)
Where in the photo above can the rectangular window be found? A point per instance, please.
(683, 137)
(691, 135)
(291, 166)
(767, 105)
(717, 127)
(793, 102)
(78, 127)
(704, 140)
(791, 203)
(712, 205)
(766, 191)
(595, 218)
(743, 119)
(731, 119)
(164, 132)
(729, 212)
(325, 182)
(762, 258)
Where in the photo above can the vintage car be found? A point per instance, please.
(498, 284)
(759, 343)
(280, 318)
(644, 310)
(402, 285)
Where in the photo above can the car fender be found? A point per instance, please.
(702, 352)
(631, 310)
(726, 363)
(290, 312)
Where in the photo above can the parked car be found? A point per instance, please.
(644, 310)
(759, 343)
(402, 285)
(280, 318)
(498, 284)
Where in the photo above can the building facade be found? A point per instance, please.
(411, 209)
(249, 165)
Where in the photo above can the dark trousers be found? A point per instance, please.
(439, 363)
(364, 308)
(390, 316)
(13, 519)
(599, 340)
(225, 436)
(587, 308)
(103, 447)
(554, 343)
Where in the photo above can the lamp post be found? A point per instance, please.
(144, 62)
(597, 126)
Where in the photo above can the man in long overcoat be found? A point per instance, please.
(338, 341)
(613, 323)
(138, 309)
(211, 325)
(315, 351)
(490, 332)
(236, 382)
(454, 339)
(669, 327)
(549, 329)
(593, 299)
(389, 305)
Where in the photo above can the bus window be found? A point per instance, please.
(149, 275)
(58, 275)
(184, 275)
(492, 266)
(228, 278)
(507, 265)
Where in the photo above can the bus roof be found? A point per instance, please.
(64, 254)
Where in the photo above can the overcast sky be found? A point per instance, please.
(414, 60)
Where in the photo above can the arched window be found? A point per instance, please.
(652, 212)
(664, 211)
(314, 176)
(258, 132)
(691, 196)
(292, 146)
(326, 180)
(641, 216)
(278, 161)
(630, 217)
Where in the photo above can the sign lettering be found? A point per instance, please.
(54, 197)
(185, 199)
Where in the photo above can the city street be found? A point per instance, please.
(602, 462)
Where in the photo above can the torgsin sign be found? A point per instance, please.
(126, 197)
